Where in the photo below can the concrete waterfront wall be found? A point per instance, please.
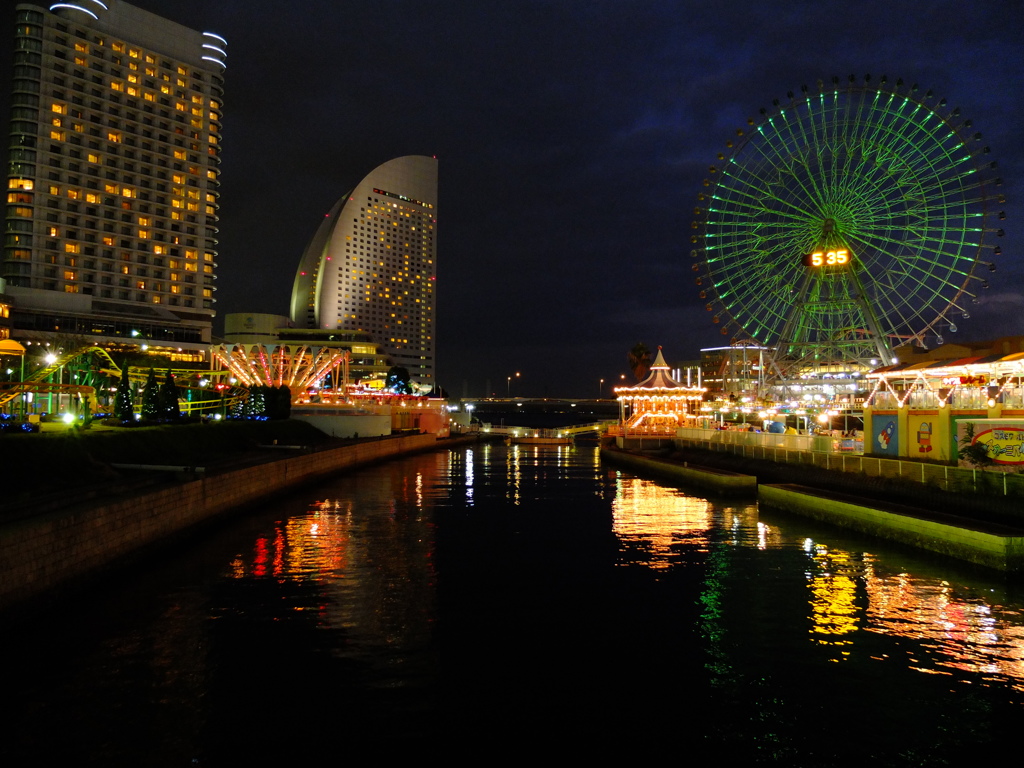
(45, 551)
(958, 479)
(994, 546)
(729, 483)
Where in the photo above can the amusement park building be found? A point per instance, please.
(370, 267)
(368, 362)
(112, 181)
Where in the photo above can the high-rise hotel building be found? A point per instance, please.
(371, 266)
(112, 176)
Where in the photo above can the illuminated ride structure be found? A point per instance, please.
(299, 368)
(847, 220)
(89, 375)
(659, 404)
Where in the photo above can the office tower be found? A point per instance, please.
(112, 181)
(371, 265)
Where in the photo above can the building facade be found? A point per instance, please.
(371, 266)
(112, 178)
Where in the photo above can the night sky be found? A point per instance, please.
(572, 139)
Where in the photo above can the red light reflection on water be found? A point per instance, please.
(259, 563)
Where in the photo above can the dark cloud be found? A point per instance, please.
(572, 139)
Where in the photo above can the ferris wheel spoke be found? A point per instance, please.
(782, 157)
(787, 165)
(808, 182)
(918, 280)
(927, 253)
(755, 194)
(753, 210)
(905, 315)
(955, 191)
(924, 267)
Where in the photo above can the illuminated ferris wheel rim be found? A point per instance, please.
(892, 177)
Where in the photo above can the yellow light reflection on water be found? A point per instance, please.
(513, 474)
(833, 586)
(651, 518)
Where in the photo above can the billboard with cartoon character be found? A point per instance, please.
(991, 444)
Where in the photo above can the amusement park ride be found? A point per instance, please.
(846, 221)
(87, 376)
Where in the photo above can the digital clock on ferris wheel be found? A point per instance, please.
(837, 258)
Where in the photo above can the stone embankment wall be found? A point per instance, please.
(995, 546)
(42, 552)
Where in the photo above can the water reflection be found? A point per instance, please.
(849, 594)
(521, 592)
(953, 627)
(359, 564)
(963, 629)
(833, 597)
(650, 520)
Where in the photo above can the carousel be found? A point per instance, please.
(659, 404)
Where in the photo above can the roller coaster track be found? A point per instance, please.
(136, 374)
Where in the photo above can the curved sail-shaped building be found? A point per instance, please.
(372, 264)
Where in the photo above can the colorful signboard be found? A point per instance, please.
(991, 443)
(885, 440)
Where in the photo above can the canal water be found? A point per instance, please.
(499, 602)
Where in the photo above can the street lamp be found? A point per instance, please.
(50, 360)
(508, 391)
(600, 388)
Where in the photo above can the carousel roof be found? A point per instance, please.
(658, 378)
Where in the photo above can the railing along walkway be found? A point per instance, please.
(811, 450)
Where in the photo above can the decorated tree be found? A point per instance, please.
(124, 407)
(256, 405)
(169, 399)
(151, 398)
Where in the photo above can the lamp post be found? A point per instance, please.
(50, 360)
(600, 388)
(509, 385)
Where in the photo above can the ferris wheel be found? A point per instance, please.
(849, 219)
